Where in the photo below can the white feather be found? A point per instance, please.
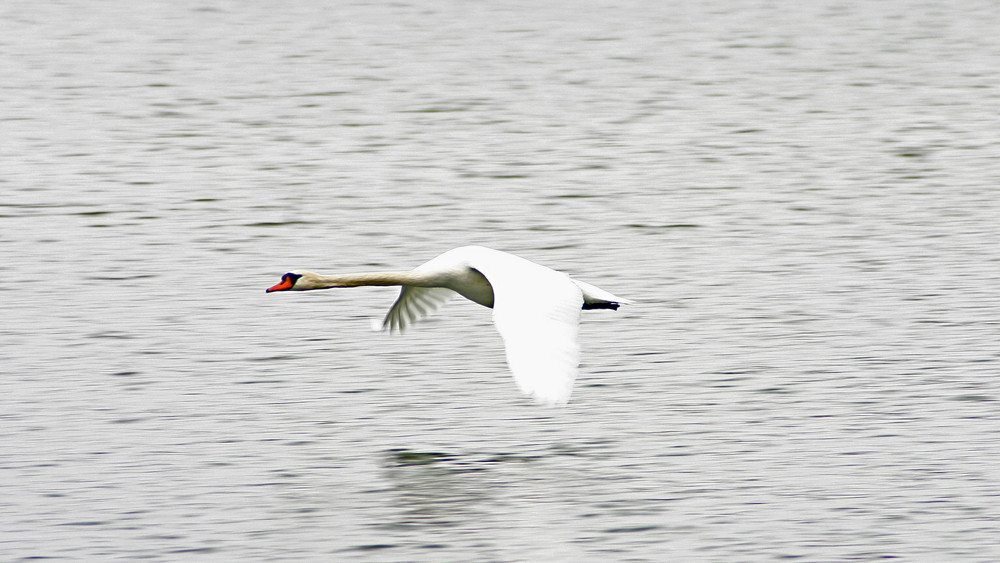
(537, 312)
(413, 305)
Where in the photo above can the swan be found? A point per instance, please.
(536, 309)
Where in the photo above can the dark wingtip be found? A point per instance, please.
(602, 305)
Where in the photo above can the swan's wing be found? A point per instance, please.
(413, 304)
(537, 312)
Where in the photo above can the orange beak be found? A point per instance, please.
(286, 283)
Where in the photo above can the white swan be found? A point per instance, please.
(535, 309)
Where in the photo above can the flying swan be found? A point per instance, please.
(536, 309)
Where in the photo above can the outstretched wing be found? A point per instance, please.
(537, 312)
(413, 304)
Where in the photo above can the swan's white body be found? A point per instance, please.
(535, 309)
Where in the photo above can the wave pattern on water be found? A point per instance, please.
(800, 199)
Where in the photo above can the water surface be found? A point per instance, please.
(801, 199)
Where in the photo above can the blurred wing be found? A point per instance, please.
(537, 312)
(413, 304)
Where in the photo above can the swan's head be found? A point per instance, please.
(295, 281)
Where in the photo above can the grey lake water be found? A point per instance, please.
(801, 197)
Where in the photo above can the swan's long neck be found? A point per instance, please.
(319, 281)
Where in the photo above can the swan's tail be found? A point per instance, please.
(596, 298)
